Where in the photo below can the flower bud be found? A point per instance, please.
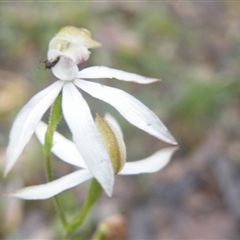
(113, 227)
(113, 143)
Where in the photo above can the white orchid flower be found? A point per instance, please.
(67, 49)
(67, 151)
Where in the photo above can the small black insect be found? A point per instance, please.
(49, 65)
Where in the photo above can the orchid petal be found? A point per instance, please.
(62, 147)
(130, 108)
(105, 72)
(27, 121)
(152, 164)
(53, 188)
(86, 136)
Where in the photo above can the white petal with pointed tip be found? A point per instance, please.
(27, 121)
(62, 147)
(53, 188)
(152, 164)
(86, 136)
(130, 108)
(105, 72)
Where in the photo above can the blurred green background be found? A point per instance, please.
(194, 47)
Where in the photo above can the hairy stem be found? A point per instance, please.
(55, 117)
(93, 195)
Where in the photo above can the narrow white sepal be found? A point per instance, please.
(53, 188)
(86, 136)
(130, 108)
(63, 148)
(151, 164)
(27, 121)
(105, 72)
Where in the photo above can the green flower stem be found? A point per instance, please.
(99, 233)
(93, 195)
(55, 117)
